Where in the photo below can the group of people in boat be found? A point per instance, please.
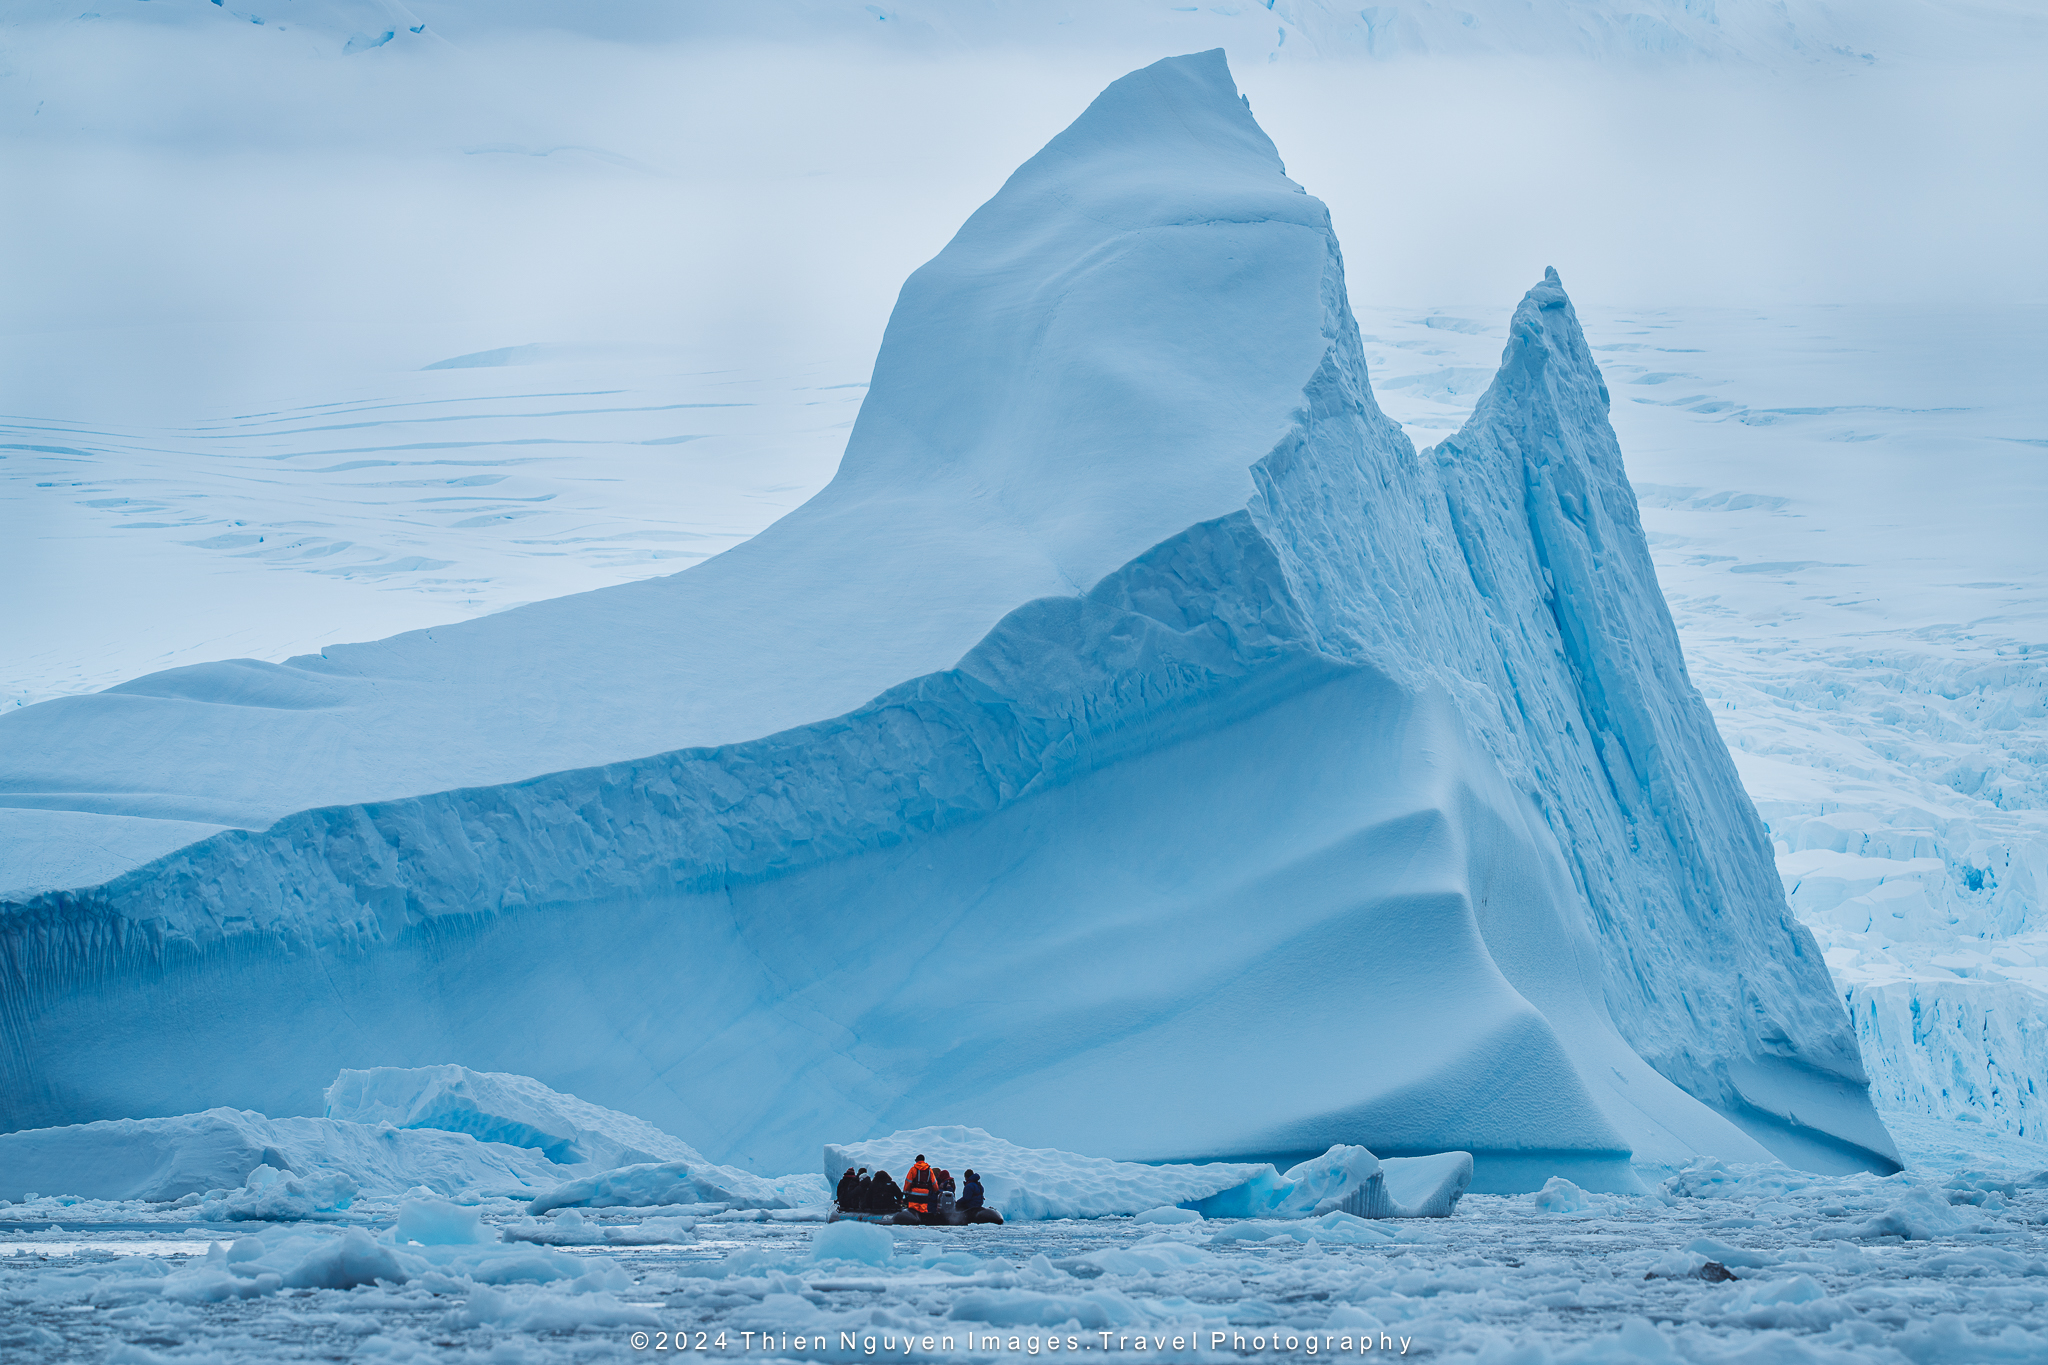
(926, 1192)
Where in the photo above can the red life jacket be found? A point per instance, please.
(919, 1187)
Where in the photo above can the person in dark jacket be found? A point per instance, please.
(848, 1197)
(887, 1198)
(971, 1197)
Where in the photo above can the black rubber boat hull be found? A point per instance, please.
(955, 1218)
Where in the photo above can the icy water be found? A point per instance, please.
(1946, 1263)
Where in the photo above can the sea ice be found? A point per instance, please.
(1624, 1281)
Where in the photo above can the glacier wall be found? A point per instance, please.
(1930, 923)
(1901, 779)
(1284, 751)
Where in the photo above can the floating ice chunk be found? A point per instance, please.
(213, 1281)
(438, 1223)
(1426, 1186)
(167, 1158)
(1351, 1180)
(1263, 1193)
(1324, 1183)
(1681, 1265)
(566, 1228)
(1559, 1195)
(496, 1106)
(1921, 1215)
(1168, 1214)
(350, 1260)
(1761, 1303)
(1728, 1255)
(863, 1242)
(270, 1195)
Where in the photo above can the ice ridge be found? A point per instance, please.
(1548, 527)
(1292, 753)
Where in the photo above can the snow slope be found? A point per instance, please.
(1230, 656)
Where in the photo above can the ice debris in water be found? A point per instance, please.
(1771, 1271)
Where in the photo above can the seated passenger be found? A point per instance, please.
(848, 1196)
(971, 1196)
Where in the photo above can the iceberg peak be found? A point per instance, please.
(1133, 663)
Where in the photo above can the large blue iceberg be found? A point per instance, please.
(1138, 748)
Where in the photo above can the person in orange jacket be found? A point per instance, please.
(920, 1188)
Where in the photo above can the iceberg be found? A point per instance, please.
(1352, 1180)
(1138, 746)
(269, 1195)
(657, 1184)
(499, 1107)
(258, 1163)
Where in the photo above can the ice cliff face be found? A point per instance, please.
(1138, 748)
